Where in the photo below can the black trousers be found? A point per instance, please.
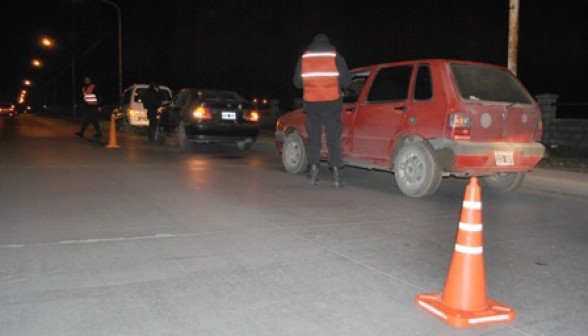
(325, 115)
(90, 116)
(152, 115)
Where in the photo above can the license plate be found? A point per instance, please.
(503, 158)
(229, 115)
(142, 118)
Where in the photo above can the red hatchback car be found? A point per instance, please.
(426, 119)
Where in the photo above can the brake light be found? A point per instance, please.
(459, 126)
(538, 134)
(202, 113)
(252, 116)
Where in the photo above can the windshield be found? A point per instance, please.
(479, 83)
(358, 79)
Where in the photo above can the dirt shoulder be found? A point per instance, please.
(565, 159)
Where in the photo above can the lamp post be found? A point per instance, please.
(119, 44)
(47, 42)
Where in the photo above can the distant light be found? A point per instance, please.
(27, 82)
(46, 42)
(36, 63)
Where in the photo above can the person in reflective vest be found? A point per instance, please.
(322, 73)
(89, 109)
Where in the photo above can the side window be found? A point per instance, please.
(139, 95)
(391, 84)
(423, 89)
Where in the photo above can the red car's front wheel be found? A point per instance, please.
(294, 154)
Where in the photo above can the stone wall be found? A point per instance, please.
(571, 133)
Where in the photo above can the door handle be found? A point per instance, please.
(401, 108)
(349, 109)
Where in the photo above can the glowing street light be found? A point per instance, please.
(37, 63)
(27, 82)
(47, 42)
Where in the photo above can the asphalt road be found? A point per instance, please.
(151, 240)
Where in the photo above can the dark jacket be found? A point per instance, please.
(321, 43)
(152, 99)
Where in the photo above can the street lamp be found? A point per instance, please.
(36, 63)
(47, 42)
(119, 44)
(27, 82)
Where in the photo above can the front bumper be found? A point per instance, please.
(485, 158)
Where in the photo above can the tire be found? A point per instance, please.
(416, 170)
(185, 144)
(294, 154)
(245, 145)
(504, 182)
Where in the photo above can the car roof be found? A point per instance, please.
(431, 60)
(144, 86)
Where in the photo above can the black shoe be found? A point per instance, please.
(313, 174)
(80, 134)
(337, 179)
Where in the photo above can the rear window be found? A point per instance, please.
(220, 95)
(165, 95)
(479, 83)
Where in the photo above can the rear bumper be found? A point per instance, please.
(221, 133)
(484, 158)
(137, 119)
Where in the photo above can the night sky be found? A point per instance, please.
(252, 46)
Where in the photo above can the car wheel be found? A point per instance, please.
(185, 144)
(294, 154)
(504, 182)
(245, 145)
(416, 170)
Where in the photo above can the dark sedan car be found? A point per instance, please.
(210, 116)
(7, 110)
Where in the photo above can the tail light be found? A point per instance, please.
(202, 113)
(538, 134)
(459, 126)
(252, 116)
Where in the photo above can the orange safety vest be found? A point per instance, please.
(320, 77)
(89, 95)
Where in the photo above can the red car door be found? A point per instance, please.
(380, 116)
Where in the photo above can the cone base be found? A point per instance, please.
(495, 312)
(112, 146)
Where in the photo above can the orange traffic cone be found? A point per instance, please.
(463, 303)
(112, 134)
